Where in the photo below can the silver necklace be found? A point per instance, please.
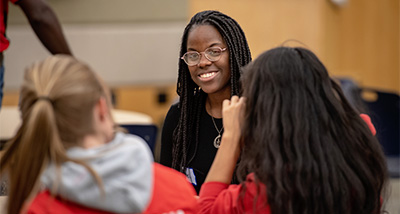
(217, 140)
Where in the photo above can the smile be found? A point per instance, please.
(207, 76)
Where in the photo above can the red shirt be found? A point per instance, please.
(172, 193)
(216, 197)
(4, 43)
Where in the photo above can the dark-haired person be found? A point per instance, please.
(213, 50)
(43, 21)
(303, 149)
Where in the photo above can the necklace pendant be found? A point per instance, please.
(217, 141)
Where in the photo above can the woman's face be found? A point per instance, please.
(212, 77)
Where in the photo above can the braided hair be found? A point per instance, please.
(191, 96)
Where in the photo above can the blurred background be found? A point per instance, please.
(134, 46)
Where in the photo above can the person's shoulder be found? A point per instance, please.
(45, 203)
(172, 193)
(253, 182)
(176, 107)
(174, 112)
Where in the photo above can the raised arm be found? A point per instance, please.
(45, 24)
(216, 195)
(228, 153)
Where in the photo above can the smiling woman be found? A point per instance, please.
(211, 75)
(213, 50)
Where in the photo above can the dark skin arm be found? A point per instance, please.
(45, 24)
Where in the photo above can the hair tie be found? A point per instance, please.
(45, 98)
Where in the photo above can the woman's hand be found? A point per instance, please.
(232, 116)
(228, 153)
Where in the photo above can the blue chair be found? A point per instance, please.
(384, 111)
(385, 115)
(147, 132)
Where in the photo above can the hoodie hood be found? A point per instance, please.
(124, 166)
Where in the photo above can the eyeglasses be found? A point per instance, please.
(213, 54)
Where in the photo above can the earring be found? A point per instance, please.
(196, 90)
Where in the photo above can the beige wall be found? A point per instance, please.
(359, 40)
(268, 23)
(132, 44)
(362, 40)
(106, 11)
(128, 42)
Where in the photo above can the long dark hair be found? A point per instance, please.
(304, 141)
(191, 97)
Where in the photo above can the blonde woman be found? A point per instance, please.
(67, 148)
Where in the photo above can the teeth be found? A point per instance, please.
(207, 75)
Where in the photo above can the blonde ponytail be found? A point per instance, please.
(57, 100)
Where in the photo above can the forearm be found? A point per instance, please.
(225, 161)
(45, 25)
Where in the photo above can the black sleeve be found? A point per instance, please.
(170, 122)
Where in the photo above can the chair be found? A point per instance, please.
(353, 94)
(385, 115)
(146, 131)
(384, 111)
(138, 124)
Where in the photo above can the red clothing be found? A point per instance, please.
(4, 43)
(367, 120)
(172, 193)
(46, 204)
(217, 197)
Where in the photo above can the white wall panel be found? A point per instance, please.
(123, 54)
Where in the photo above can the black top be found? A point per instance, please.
(206, 151)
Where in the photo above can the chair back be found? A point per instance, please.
(385, 115)
(384, 111)
(146, 131)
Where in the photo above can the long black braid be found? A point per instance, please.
(192, 98)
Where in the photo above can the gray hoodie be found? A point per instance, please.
(124, 166)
